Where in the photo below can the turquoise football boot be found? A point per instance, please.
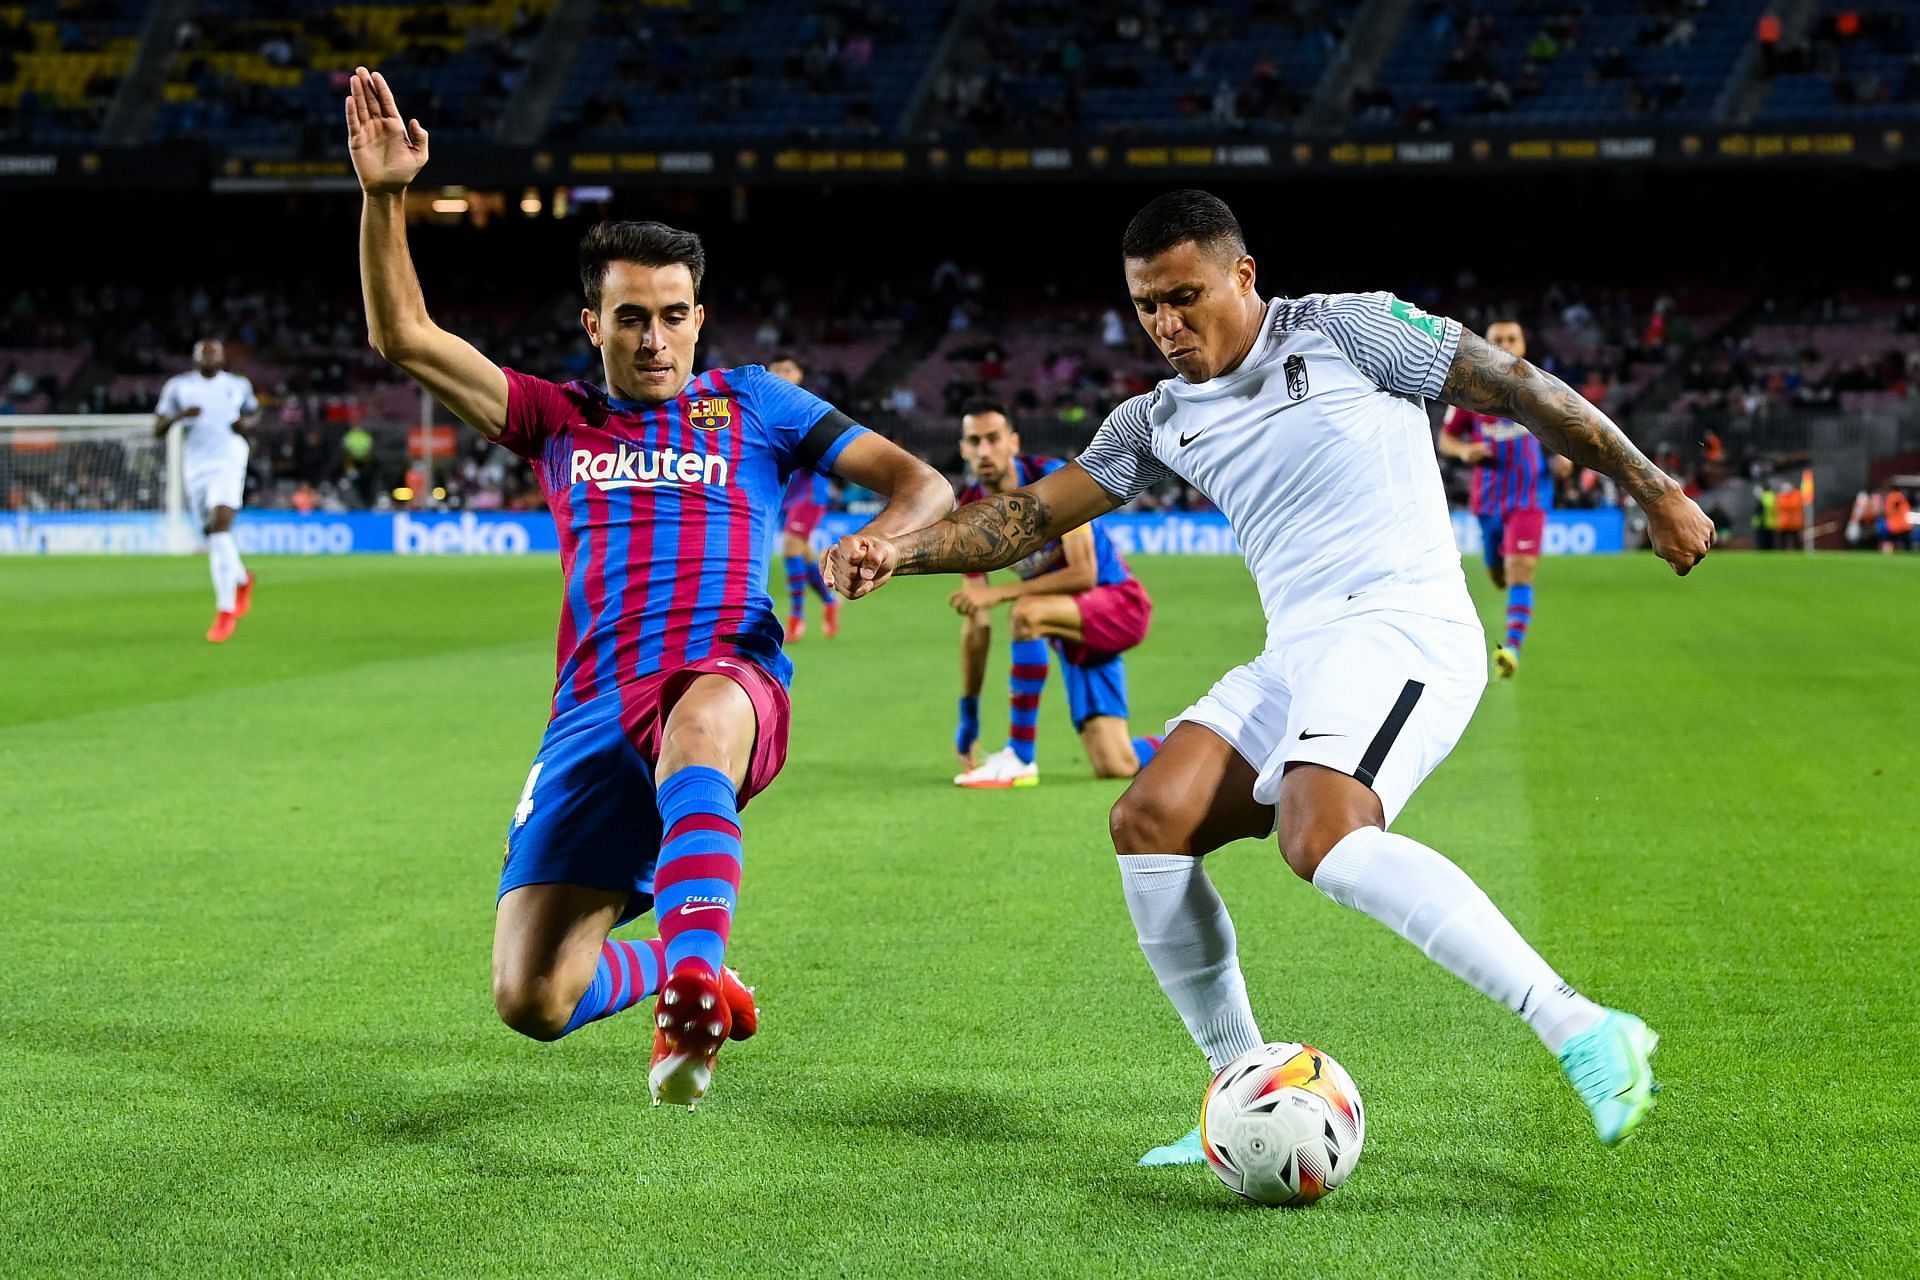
(1608, 1067)
(1185, 1151)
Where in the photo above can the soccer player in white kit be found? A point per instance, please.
(1303, 420)
(219, 408)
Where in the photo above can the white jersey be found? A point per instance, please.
(211, 442)
(1318, 451)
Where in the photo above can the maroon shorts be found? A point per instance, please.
(645, 706)
(804, 517)
(1523, 531)
(1113, 619)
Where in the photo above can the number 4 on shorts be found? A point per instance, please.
(524, 809)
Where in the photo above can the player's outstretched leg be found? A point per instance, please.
(1195, 797)
(1332, 833)
(696, 887)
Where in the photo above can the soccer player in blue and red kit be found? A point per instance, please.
(1512, 492)
(1076, 594)
(670, 710)
(801, 510)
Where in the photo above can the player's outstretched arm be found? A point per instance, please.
(1488, 379)
(979, 537)
(388, 152)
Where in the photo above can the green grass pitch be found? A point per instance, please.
(247, 896)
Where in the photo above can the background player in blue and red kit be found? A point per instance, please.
(670, 709)
(1075, 594)
(1513, 480)
(801, 510)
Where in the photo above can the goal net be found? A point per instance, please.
(90, 482)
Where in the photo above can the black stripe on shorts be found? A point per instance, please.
(1383, 741)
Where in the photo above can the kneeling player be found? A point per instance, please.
(670, 710)
(801, 511)
(1077, 594)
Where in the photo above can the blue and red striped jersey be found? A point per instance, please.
(1517, 476)
(1109, 567)
(666, 515)
(807, 486)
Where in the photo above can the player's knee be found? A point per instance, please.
(531, 1006)
(221, 521)
(1025, 619)
(1110, 759)
(1306, 839)
(694, 738)
(1148, 819)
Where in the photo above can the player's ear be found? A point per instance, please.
(699, 319)
(1244, 273)
(591, 323)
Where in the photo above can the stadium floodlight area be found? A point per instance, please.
(91, 482)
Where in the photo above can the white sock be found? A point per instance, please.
(235, 565)
(1187, 937)
(1434, 905)
(221, 557)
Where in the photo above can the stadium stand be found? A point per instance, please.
(256, 74)
(1858, 64)
(1522, 63)
(782, 69)
(60, 63)
(1063, 65)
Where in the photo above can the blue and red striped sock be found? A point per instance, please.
(1147, 747)
(697, 882)
(817, 582)
(1029, 677)
(628, 973)
(796, 585)
(1519, 613)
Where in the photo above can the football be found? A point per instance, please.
(1282, 1124)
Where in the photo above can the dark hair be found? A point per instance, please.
(974, 408)
(651, 244)
(1179, 216)
(789, 357)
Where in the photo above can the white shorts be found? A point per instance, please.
(1381, 695)
(210, 487)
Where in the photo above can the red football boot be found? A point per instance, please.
(222, 625)
(739, 996)
(830, 618)
(796, 629)
(243, 598)
(691, 1020)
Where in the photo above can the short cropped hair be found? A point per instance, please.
(651, 244)
(1179, 216)
(975, 408)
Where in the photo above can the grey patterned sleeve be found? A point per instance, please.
(1120, 456)
(1395, 343)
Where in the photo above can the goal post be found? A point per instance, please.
(91, 482)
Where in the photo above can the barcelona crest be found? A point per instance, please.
(710, 413)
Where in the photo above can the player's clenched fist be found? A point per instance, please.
(387, 151)
(1679, 530)
(858, 564)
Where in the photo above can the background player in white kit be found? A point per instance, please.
(1304, 421)
(219, 408)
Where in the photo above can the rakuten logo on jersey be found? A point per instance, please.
(626, 468)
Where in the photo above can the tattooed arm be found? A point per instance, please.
(975, 539)
(1487, 379)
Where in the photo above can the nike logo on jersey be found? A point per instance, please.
(692, 907)
(1309, 737)
(1186, 440)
